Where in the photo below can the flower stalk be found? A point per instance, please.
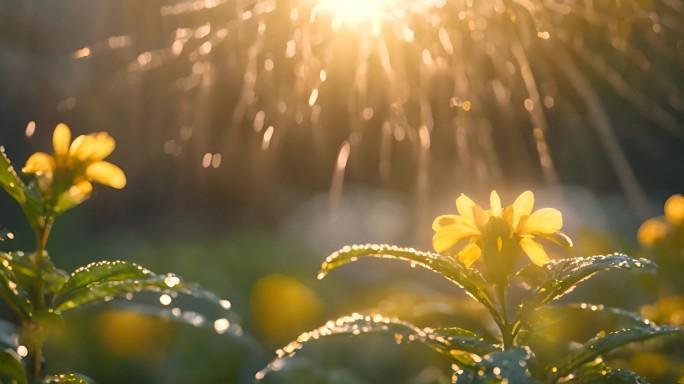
(34, 329)
(506, 328)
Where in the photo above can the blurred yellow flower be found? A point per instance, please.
(282, 306)
(651, 232)
(80, 161)
(515, 223)
(667, 310)
(674, 210)
(656, 230)
(131, 334)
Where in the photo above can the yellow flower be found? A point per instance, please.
(80, 162)
(674, 210)
(651, 232)
(516, 224)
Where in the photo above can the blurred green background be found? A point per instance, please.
(215, 198)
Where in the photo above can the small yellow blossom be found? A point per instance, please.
(77, 163)
(656, 230)
(651, 232)
(515, 224)
(674, 210)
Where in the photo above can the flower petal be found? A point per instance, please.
(508, 215)
(559, 238)
(92, 147)
(39, 162)
(522, 206)
(469, 254)
(534, 251)
(464, 206)
(674, 209)
(80, 191)
(106, 173)
(81, 147)
(104, 146)
(480, 217)
(443, 240)
(61, 139)
(545, 220)
(454, 222)
(495, 203)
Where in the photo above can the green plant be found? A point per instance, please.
(38, 292)
(529, 346)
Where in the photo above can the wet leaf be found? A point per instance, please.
(27, 197)
(464, 344)
(512, 365)
(8, 335)
(3, 234)
(21, 265)
(106, 280)
(601, 344)
(616, 318)
(224, 323)
(587, 316)
(561, 276)
(599, 373)
(12, 368)
(613, 376)
(9, 180)
(304, 370)
(13, 293)
(69, 378)
(551, 329)
(455, 343)
(467, 278)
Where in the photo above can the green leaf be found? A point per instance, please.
(455, 343)
(601, 344)
(9, 180)
(69, 378)
(3, 234)
(464, 345)
(602, 316)
(561, 276)
(8, 335)
(551, 329)
(102, 281)
(21, 265)
(512, 365)
(12, 292)
(27, 197)
(600, 373)
(12, 368)
(612, 376)
(467, 278)
(304, 370)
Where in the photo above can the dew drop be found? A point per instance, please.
(171, 281)
(221, 325)
(165, 299)
(225, 304)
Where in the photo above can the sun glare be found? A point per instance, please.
(355, 12)
(373, 13)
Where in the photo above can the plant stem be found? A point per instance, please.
(506, 334)
(34, 331)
